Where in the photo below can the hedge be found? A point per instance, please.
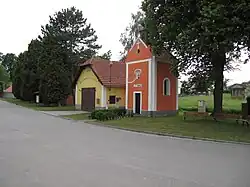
(110, 114)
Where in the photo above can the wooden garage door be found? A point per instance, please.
(88, 99)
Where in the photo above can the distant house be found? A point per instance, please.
(8, 93)
(237, 90)
(100, 84)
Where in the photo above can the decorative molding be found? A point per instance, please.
(137, 74)
(137, 85)
(136, 41)
(126, 91)
(154, 88)
(169, 87)
(177, 93)
(138, 61)
(88, 78)
(150, 85)
(103, 97)
(76, 93)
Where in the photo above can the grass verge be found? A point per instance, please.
(226, 130)
(191, 103)
(36, 107)
(78, 116)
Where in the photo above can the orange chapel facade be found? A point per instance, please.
(151, 87)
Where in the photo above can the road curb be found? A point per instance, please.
(137, 131)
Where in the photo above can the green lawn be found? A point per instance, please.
(226, 130)
(78, 116)
(195, 128)
(189, 102)
(36, 107)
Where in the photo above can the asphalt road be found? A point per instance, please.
(38, 150)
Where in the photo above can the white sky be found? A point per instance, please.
(21, 21)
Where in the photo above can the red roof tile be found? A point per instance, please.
(109, 75)
(9, 90)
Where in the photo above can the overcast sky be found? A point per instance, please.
(21, 21)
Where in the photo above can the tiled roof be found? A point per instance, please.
(109, 75)
(238, 86)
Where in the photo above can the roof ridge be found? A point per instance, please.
(101, 68)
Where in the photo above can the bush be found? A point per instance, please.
(109, 114)
(100, 115)
(93, 114)
(232, 111)
(130, 114)
(119, 112)
(227, 91)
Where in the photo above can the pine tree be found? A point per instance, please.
(74, 34)
(18, 77)
(50, 64)
(8, 62)
(55, 84)
(4, 78)
(106, 56)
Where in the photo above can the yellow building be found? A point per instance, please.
(100, 84)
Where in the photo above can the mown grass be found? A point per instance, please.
(227, 130)
(191, 103)
(196, 128)
(84, 116)
(37, 107)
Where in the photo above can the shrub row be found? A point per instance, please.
(110, 114)
(228, 111)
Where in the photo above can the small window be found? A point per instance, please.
(166, 87)
(112, 99)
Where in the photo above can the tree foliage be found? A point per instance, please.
(1, 57)
(200, 76)
(199, 32)
(107, 55)
(225, 84)
(186, 88)
(4, 78)
(18, 78)
(73, 33)
(55, 75)
(49, 65)
(8, 62)
(132, 31)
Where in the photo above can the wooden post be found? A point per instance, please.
(244, 110)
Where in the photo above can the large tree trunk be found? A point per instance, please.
(218, 61)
